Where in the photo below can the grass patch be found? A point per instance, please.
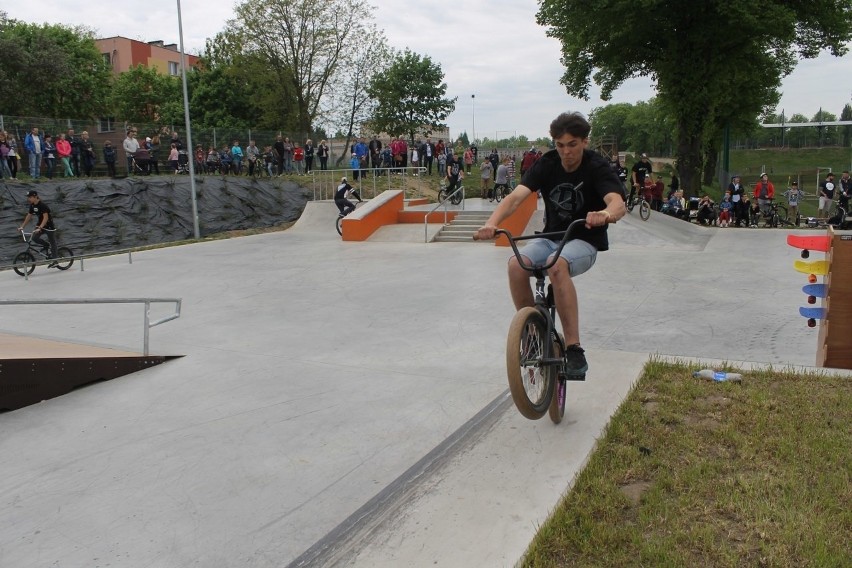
(696, 473)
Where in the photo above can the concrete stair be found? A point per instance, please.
(462, 228)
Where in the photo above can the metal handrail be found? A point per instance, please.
(445, 203)
(148, 324)
(324, 188)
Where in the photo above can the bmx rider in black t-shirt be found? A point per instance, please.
(341, 197)
(44, 224)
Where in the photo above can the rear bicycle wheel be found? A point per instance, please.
(530, 382)
(556, 410)
(339, 228)
(630, 204)
(644, 210)
(65, 258)
(781, 216)
(24, 263)
(499, 193)
(456, 198)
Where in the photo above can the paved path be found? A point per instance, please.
(345, 403)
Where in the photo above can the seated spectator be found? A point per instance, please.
(753, 212)
(706, 211)
(725, 209)
(675, 206)
(212, 160)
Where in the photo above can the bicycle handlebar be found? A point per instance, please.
(564, 239)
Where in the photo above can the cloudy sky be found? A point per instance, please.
(492, 49)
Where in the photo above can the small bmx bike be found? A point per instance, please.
(25, 262)
(644, 207)
(534, 350)
(455, 197)
(354, 193)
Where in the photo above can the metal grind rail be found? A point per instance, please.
(446, 204)
(148, 324)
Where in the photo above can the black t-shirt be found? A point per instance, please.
(39, 210)
(453, 167)
(824, 188)
(598, 179)
(641, 169)
(342, 189)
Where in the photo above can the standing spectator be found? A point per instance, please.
(826, 195)
(510, 165)
(640, 171)
(288, 155)
(152, 144)
(396, 150)
(130, 145)
(527, 160)
(278, 146)
(362, 150)
(440, 149)
(754, 213)
(63, 150)
(34, 145)
(764, 192)
(501, 180)
(237, 158)
(198, 159)
(322, 154)
(176, 141)
(173, 157)
(4, 157)
(109, 158)
(486, 172)
(427, 154)
(74, 141)
(269, 160)
(252, 155)
(49, 153)
(415, 160)
(355, 164)
(725, 208)
(375, 148)
(309, 155)
(845, 189)
(657, 194)
(12, 159)
(475, 151)
(674, 185)
(468, 160)
(403, 150)
(794, 195)
(442, 164)
(298, 158)
(87, 154)
(494, 158)
(739, 209)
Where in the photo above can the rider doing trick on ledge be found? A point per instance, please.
(576, 183)
(341, 197)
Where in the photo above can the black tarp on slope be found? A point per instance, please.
(99, 215)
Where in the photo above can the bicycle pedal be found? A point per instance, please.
(579, 378)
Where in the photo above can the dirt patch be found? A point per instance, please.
(634, 491)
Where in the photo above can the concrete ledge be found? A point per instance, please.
(379, 211)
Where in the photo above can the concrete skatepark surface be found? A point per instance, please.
(344, 403)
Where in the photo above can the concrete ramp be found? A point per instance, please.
(659, 232)
(318, 217)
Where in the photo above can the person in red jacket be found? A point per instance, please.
(764, 192)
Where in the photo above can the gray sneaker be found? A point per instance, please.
(575, 361)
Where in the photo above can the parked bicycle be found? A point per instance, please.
(644, 206)
(534, 349)
(25, 262)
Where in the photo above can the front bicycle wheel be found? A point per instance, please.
(456, 198)
(530, 381)
(644, 210)
(442, 195)
(556, 410)
(499, 193)
(24, 263)
(65, 258)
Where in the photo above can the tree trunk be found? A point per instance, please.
(711, 160)
(689, 161)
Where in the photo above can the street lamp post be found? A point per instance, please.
(473, 104)
(189, 148)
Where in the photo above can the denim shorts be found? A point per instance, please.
(580, 255)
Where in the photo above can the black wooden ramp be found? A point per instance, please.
(34, 369)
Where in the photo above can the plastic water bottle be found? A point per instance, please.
(717, 376)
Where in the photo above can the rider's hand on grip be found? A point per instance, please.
(485, 233)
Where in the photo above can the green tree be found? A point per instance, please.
(610, 121)
(846, 114)
(51, 70)
(702, 55)
(303, 42)
(410, 96)
(144, 96)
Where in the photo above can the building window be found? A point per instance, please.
(106, 124)
(173, 68)
(107, 59)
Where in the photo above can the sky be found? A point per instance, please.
(497, 61)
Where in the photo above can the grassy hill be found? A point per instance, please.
(804, 165)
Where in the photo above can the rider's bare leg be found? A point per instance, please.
(519, 284)
(565, 297)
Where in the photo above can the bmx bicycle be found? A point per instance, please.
(644, 206)
(534, 349)
(354, 192)
(455, 197)
(500, 191)
(25, 262)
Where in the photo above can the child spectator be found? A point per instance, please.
(110, 156)
(415, 160)
(237, 158)
(173, 158)
(199, 158)
(269, 160)
(225, 161)
(725, 208)
(657, 194)
(753, 212)
(212, 160)
(355, 164)
(794, 195)
(298, 157)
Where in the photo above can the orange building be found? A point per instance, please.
(122, 54)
